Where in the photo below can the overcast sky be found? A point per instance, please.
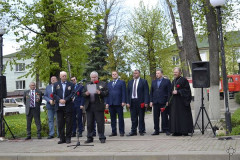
(10, 45)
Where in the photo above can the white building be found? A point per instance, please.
(16, 83)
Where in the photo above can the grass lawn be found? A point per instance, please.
(18, 125)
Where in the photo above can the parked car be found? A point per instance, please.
(13, 102)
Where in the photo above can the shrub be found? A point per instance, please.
(237, 97)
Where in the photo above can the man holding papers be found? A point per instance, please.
(94, 93)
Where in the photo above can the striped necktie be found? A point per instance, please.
(32, 99)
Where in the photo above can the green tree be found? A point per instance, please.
(51, 31)
(148, 38)
(97, 56)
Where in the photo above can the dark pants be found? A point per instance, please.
(64, 118)
(114, 111)
(99, 117)
(137, 115)
(164, 117)
(77, 120)
(33, 113)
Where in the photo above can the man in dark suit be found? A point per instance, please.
(116, 100)
(77, 108)
(137, 100)
(62, 93)
(32, 99)
(94, 103)
(159, 96)
(48, 96)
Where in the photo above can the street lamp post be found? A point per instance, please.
(2, 132)
(218, 4)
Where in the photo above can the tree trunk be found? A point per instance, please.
(182, 54)
(51, 27)
(189, 39)
(214, 96)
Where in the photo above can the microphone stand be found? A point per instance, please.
(78, 142)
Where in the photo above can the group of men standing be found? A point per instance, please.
(68, 100)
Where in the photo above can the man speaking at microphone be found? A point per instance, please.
(94, 94)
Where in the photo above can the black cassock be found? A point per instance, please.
(180, 111)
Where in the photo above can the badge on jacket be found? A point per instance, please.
(58, 87)
(69, 88)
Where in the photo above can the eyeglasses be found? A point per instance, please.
(73, 80)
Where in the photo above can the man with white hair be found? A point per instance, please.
(63, 93)
(32, 99)
(94, 103)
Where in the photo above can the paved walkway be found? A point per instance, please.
(199, 147)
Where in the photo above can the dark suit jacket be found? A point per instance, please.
(142, 91)
(117, 94)
(160, 95)
(58, 94)
(27, 99)
(78, 98)
(98, 104)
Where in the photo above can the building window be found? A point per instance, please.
(20, 67)
(175, 60)
(20, 84)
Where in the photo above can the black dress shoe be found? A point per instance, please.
(89, 141)
(132, 134)
(68, 141)
(27, 138)
(73, 135)
(141, 134)
(168, 133)
(113, 134)
(122, 135)
(155, 133)
(102, 140)
(50, 137)
(61, 141)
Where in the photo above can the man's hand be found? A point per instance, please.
(151, 104)
(174, 92)
(51, 102)
(81, 107)
(62, 101)
(98, 92)
(123, 104)
(87, 93)
(107, 105)
(128, 105)
(167, 104)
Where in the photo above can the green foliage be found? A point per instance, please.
(237, 97)
(51, 32)
(97, 56)
(148, 39)
(18, 125)
(235, 122)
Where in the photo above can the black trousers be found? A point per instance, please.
(99, 117)
(164, 117)
(64, 118)
(114, 111)
(33, 113)
(137, 116)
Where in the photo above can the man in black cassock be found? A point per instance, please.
(181, 122)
